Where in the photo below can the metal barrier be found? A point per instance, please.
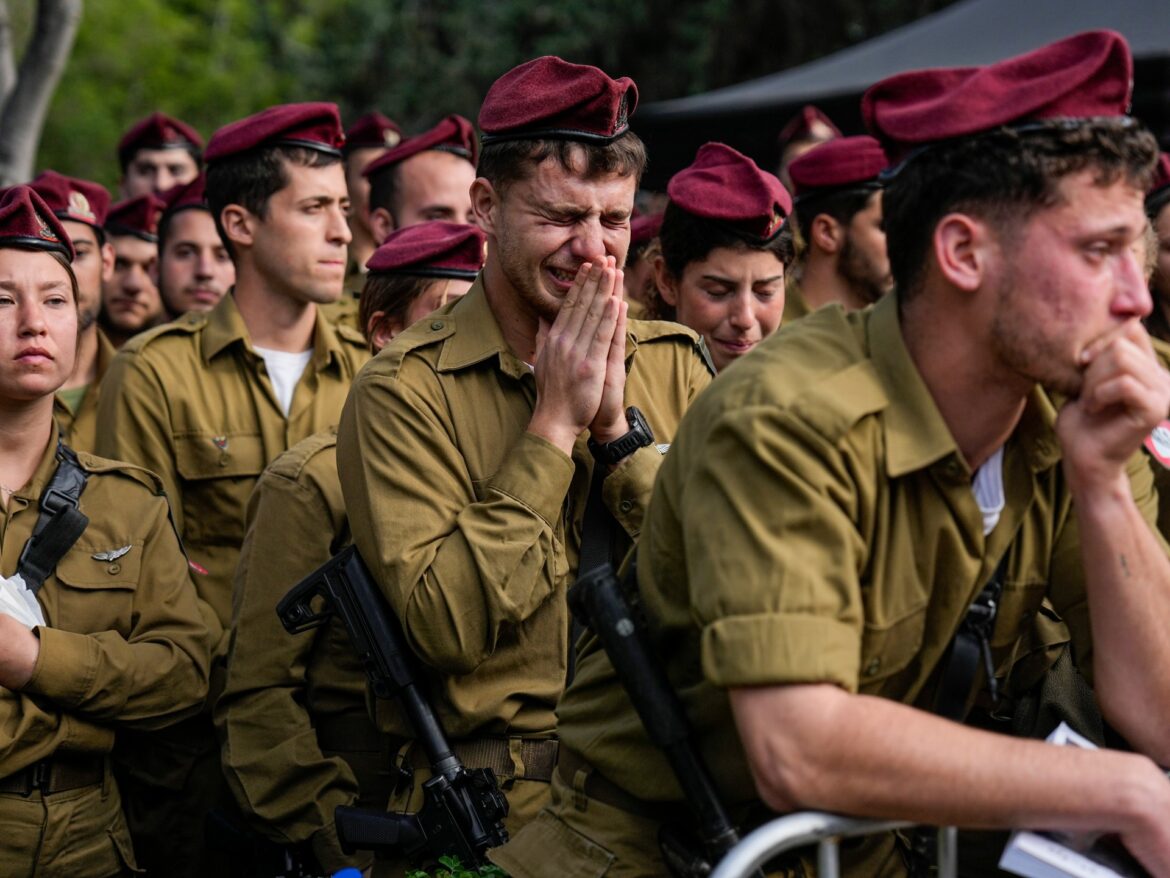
(807, 827)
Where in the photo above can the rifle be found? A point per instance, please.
(463, 809)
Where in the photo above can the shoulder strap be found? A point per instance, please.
(597, 529)
(972, 642)
(60, 522)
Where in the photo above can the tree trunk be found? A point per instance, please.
(24, 110)
(7, 65)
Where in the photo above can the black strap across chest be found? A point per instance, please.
(60, 522)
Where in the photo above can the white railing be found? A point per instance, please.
(825, 830)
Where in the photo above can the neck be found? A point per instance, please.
(980, 402)
(85, 368)
(274, 320)
(821, 284)
(362, 247)
(25, 428)
(518, 322)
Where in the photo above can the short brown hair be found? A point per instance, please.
(393, 294)
(1003, 176)
(509, 161)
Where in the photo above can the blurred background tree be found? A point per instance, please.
(211, 61)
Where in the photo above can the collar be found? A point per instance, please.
(44, 471)
(225, 327)
(476, 336)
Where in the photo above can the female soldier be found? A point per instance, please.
(724, 249)
(113, 637)
(292, 705)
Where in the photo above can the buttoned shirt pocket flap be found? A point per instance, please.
(888, 647)
(113, 566)
(97, 588)
(200, 456)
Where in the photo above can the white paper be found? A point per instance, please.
(20, 603)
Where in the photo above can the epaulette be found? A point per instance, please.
(643, 331)
(91, 463)
(188, 324)
(351, 335)
(291, 463)
(426, 332)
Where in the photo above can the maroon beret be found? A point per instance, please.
(645, 228)
(1087, 75)
(454, 135)
(725, 185)
(841, 163)
(27, 222)
(551, 98)
(184, 196)
(311, 126)
(1159, 192)
(73, 199)
(372, 130)
(803, 126)
(136, 216)
(157, 131)
(431, 249)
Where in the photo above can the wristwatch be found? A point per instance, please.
(640, 436)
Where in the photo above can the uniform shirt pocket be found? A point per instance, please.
(889, 646)
(97, 587)
(218, 472)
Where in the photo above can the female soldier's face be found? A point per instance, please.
(38, 325)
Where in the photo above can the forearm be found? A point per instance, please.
(871, 757)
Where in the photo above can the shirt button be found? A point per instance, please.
(873, 666)
(437, 325)
(223, 459)
(626, 505)
(114, 569)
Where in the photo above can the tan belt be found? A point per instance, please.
(597, 786)
(526, 758)
(56, 774)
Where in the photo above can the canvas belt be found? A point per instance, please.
(56, 774)
(597, 786)
(525, 758)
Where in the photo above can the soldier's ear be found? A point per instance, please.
(485, 203)
(107, 262)
(381, 225)
(238, 224)
(826, 233)
(666, 282)
(381, 330)
(962, 246)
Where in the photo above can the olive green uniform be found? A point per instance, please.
(297, 738)
(191, 400)
(79, 428)
(472, 525)
(814, 523)
(795, 306)
(125, 647)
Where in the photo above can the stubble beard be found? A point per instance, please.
(528, 287)
(860, 273)
(1028, 353)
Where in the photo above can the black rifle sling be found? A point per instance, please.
(60, 522)
(972, 643)
(597, 527)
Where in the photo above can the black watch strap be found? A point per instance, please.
(639, 436)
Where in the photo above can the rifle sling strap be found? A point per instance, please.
(60, 522)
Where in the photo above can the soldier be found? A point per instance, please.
(292, 705)
(130, 299)
(724, 246)
(158, 153)
(1158, 213)
(465, 470)
(194, 268)
(835, 504)
(640, 292)
(82, 206)
(807, 129)
(365, 140)
(99, 631)
(210, 400)
(842, 255)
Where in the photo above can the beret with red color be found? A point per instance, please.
(157, 131)
(549, 98)
(454, 135)
(73, 199)
(431, 249)
(185, 196)
(26, 222)
(809, 124)
(841, 163)
(723, 184)
(372, 130)
(136, 216)
(1083, 76)
(645, 228)
(1158, 195)
(315, 125)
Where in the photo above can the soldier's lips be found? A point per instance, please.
(32, 356)
(736, 346)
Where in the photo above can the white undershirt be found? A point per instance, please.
(284, 371)
(988, 489)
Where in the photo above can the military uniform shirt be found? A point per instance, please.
(471, 524)
(191, 401)
(125, 645)
(79, 428)
(279, 685)
(814, 523)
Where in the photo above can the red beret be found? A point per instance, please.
(372, 130)
(645, 228)
(1090, 74)
(725, 185)
(27, 222)
(157, 131)
(841, 163)
(184, 196)
(454, 135)
(72, 199)
(311, 126)
(1158, 194)
(431, 249)
(803, 126)
(551, 98)
(136, 216)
